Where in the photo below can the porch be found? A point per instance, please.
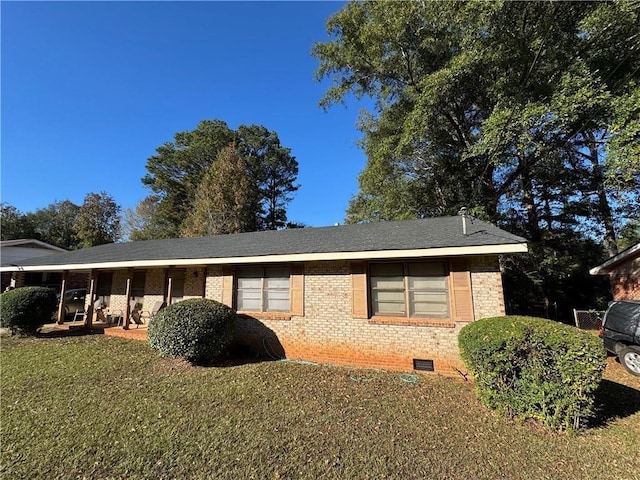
(96, 328)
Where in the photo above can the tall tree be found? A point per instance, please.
(139, 221)
(224, 199)
(98, 220)
(175, 173)
(522, 111)
(14, 224)
(273, 170)
(55, 223)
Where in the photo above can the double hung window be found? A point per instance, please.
(409, 289)
(263, 289)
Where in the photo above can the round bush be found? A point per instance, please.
(197, 329)
(24, 310)
(534, 368)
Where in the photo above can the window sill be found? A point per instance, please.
(413, 322)
(266, 315)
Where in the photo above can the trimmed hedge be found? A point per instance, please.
(534, 368)
(26, 309)
(197, 329)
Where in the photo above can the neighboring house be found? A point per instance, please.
(624, 273)
(390, 295)
(14, 252)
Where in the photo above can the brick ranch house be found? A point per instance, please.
(390, 295)
(624, 273)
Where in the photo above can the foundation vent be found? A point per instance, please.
(425, 365)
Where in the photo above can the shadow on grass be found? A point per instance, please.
(253, 342)
(72, 331)
(614, 401)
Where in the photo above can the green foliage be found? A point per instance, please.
(24, 310)
(14, 224)
(98, 220)
(54, 224)
(197, 329)
(534, 368)
(526, 113)
(175, 174)
(223, 202)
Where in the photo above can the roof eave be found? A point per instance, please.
(297, 257)
(606, 267)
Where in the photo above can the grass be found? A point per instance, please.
(106, 408)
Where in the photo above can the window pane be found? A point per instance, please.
(382, 308)
(249, 283)
(250, 272)
(277, 300)
(276, 305)
(427, 304)
(249, 300)
(277, 272)
(386, 270)
(388, 302)
(396, 283)
(426, 269)
(389, 296)
(282, 283)
(249, 305)
(427, 283)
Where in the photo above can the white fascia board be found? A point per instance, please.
(605, 268)
(297, 257)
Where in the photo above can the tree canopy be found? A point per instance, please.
(524, 112)
(98, 220)
(223, 202)
(176, 171)
(65, 224)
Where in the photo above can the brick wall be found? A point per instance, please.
(154, 287)
(625, 280)
(486, 285)
(213, 283)
(328, 333)
(194, 282)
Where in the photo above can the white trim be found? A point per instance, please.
(603, 269)
(30, 241)
(297, 257)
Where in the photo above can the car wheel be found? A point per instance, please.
(630, 359)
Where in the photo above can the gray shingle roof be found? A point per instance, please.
(379, 236)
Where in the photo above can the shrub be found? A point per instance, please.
(24, 310)
(196, 329)
(534, 368)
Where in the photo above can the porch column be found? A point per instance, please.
(127, 296)
(63, 288)
(169, 288)
(88, 319)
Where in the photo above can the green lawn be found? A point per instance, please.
(97, 407)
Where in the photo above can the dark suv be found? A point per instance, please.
(621, 333)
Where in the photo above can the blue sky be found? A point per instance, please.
(91, 89)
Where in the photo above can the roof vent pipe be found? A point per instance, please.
(463, 214)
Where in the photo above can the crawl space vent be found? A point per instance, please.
(426, 365)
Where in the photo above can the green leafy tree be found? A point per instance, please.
(98, 220)
(55, 223)
(14, 224)
(224, 199)
(273, 170)
(175, 173)
(525, 112)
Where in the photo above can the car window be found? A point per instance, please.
(623, 317)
